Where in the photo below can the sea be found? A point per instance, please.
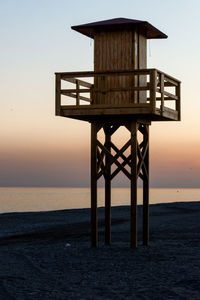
(18, 199)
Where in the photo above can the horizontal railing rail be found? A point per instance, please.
(159, 86)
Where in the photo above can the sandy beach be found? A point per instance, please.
(47, 255)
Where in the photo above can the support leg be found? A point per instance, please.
(146, 212)
(146, 192)
(94, 224)
(133, 229)
(107, 188)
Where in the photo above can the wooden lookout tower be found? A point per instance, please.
(121, 91)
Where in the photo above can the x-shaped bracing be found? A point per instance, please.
(105, 158)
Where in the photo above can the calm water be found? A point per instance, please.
(41, 199)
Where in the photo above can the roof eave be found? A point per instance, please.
(91, 28)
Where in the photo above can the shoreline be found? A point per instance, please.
(50, 199)
(47, 255)
(88, 208)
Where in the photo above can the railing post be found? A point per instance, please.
(178, 101)
(162, 78)
(153, 88)
(92, 94)
(103, 89)
(77, 93)
(58, 94)
(133, 91)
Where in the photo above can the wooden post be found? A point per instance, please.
(94, 224)
(133, 227)
(153, 88)
(134, 62)
(146, 192)
(162, 78)
(58, 94)
(178, 101)
(77, 93)
(107, 188)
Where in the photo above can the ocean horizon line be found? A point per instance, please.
(100, 187)
(58, 198)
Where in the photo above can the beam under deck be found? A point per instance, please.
(144, 111)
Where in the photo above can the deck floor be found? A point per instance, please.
(139, 111)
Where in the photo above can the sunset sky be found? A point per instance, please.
(39, 149)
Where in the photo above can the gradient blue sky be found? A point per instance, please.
(39, 149)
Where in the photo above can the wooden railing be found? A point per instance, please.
(160, 88)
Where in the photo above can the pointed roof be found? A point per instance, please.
(149, 30)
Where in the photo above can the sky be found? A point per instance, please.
(40, 149)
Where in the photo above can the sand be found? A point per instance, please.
(47, 255)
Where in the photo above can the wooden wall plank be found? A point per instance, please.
(112, 52)
(142, 64)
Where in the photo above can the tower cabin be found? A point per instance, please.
(121, 84)
(121, 91)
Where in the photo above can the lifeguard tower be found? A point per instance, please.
(121, 91)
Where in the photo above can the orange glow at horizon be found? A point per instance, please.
(61, 154)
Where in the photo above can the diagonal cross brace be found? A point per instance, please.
(100, 157)
(113, 159)
(141, 157)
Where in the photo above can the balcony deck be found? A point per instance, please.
(157, 99)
